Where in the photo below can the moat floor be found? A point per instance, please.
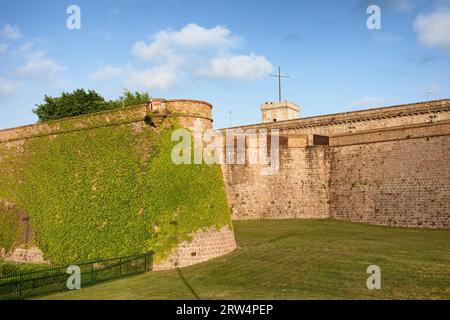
(302, 259)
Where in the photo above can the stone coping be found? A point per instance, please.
(106, 118)
(356, 116)
(423, 130)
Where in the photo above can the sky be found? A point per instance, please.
(224, 51)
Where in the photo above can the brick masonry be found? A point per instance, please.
(298, 190)
(387, 166)
(403, 182)
(205, 245)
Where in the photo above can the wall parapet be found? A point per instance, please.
(179, 108)
(416, 131)
(436, 106)
(85, 122)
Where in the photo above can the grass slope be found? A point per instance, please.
(302, 259)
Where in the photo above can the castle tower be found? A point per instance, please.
(279, 111)
(189, 111)
(186, 111)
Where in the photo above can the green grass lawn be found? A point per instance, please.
(302, 259)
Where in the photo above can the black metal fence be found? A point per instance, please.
(54, 279)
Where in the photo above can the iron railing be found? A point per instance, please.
(54, 279)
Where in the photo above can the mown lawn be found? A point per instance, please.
(302, 259)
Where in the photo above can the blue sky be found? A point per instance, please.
(224, 52)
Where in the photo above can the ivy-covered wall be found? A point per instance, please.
(11, 229)
(108, 191)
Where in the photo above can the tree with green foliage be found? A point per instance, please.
(81, 102)
(129, 99)
(70, 105)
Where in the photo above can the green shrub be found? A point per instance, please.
(81, 102)
(70, 104)
(129, 99)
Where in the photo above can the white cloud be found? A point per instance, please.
(11, 32)
(42, 68)
(239, 67)
(369, 102)
(186, 52)
(170, 46)
(159, 77)
(39, 65)
(434, 29)
(195, 36)
(35, 70)
(7, 86)
(26, 47)
(156, 51)
(106, 72)
(149, 79)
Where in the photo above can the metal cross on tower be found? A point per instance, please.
(279, 76)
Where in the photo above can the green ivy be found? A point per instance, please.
(11, 229)
(111, 191)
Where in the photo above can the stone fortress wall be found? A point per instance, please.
(387, 166)
(396, 177)
(205, 244)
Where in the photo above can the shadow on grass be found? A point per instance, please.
(186, 283)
